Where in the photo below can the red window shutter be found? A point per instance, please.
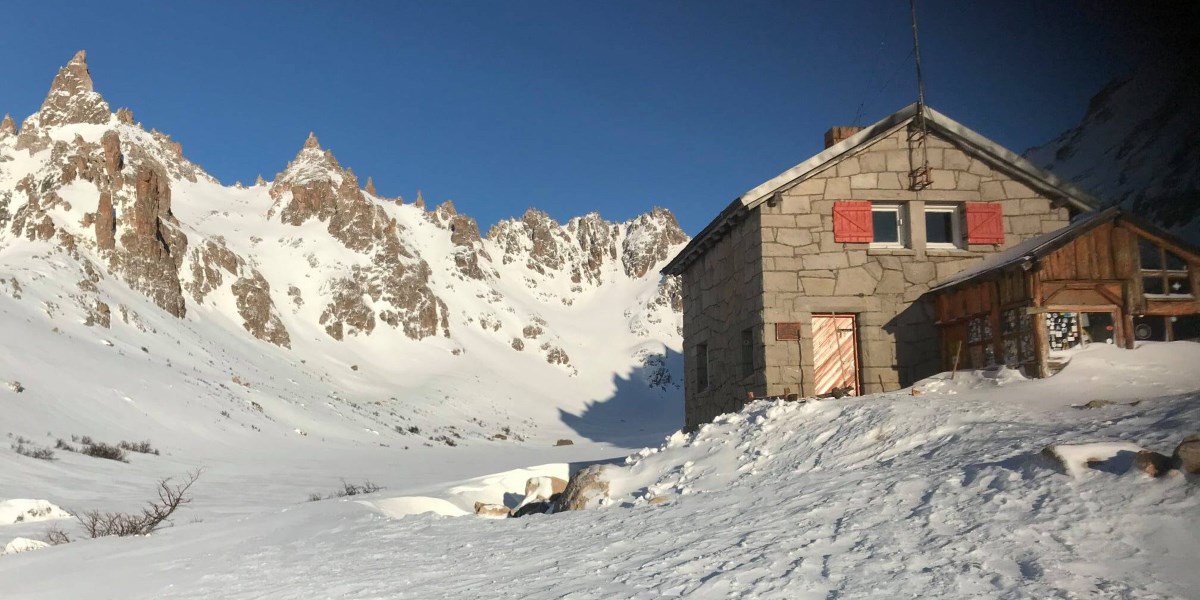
(852, 222)
(985, 224)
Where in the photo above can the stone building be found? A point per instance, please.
(812, 282)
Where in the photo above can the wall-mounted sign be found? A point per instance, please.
(787, 331)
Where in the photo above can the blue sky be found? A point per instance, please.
(571, 107)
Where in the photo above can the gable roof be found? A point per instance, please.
(1035, 248)
(997, 156)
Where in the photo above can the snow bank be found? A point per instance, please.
(1076, 459)
(506, 488)
(23, 545)
(20, 510)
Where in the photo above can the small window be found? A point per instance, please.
(1164, 273)
(943, 226)
(889, 225)
(701, 367)
(747, 352)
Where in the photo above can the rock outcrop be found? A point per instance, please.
(314, 186)
(587, 486)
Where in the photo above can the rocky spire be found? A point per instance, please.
(419, 202)
(8, 126)
(312, 141)
(71, 98)
(370, 189)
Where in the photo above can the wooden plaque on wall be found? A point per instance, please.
(787, 331)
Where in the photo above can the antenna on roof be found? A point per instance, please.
(919, 178)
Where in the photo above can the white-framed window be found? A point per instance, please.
(943, 226)
(889, 223)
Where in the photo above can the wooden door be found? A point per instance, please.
(835, 353)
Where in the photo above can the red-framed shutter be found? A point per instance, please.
(985, 224)
(852, 222)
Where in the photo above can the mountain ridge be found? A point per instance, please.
(319, 266)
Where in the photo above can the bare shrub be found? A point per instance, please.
(62, 444)
(348, 489)
(154, 515)
(25, 447)
(140, 447)
(102, 450)
(55, 536)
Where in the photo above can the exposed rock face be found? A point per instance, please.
(597, 241)
(370, 187)
(469, 253)
(587, 245)
(106, 223)
(649, 241)
(253, 297)
(152, 243)
(1187, 455)
(8, 126)
(72, 98)
(585, 487)
(314, 186)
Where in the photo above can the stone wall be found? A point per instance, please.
(806, 272)
(722, 296)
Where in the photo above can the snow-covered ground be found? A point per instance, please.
(941, 494)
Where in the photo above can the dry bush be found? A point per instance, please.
(348, 489)
(140, 447)
(154, 515)
(102, 450)
(55, 536)
(25, 447)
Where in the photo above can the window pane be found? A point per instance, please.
(887, 226)
(1174, 263)
(1179, 286)
(1150, 255)
(1153, 285)
(701, 366)
(939, 228)
(1186, 327)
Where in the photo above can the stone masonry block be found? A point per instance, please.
(861, 181)
(992, 190)
(848, 166)
(1016, 189)
(824, 261)
(837, 188)
(854, 281)
(809, 186)
(872, 162)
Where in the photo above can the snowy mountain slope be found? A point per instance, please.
(1136, 146)
(890, 495)
(150, 301)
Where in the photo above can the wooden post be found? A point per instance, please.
(957, 353)
(1041, 343)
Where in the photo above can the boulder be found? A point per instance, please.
(585, 486)
(1152, 463)
(533, 508)
(1187, 455)
(543, 488)
(494, 511)
(564, 442)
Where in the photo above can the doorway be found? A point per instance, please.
(835, 354)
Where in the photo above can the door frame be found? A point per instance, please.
(854, 332)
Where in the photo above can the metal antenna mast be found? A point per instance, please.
(919, 178)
